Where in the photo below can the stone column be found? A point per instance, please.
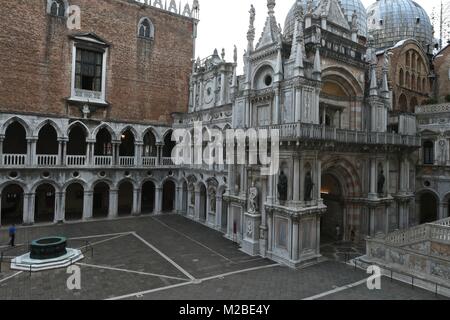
(218, 212)
(60, 153)
(60, 205)
(372, 221)
(88, 205)
(1, 156)
(387, 173)
(137, 200)
(158, 199)
(270, 228)
(179, 200)
(296, 190)
(319, 181)
(302, 180)
(231, 179)
(295, 241)
(113, 203)
(373, 179)
(28, 208)
(197, 205)
(229, 222)
(318, 234)
(0, 210)
(243, 190)
(158, 155)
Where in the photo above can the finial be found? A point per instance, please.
(271, 6)
(223, 54)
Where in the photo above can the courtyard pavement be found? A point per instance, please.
(171, 257)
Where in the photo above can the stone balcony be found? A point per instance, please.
(313, 132)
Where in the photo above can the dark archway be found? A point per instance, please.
(15, 139)
(103, 143)
(74, 202)
(203, 199)
(150, 149)
(101, 200)
(168, 145)
(77, 146)
(169, 190)
(413, 104)
(12, 205)
(125, 205)
(332, 222)
(127, 144)
(403, 103)
(428, 208)
(47, 143)
(148, 197)
(44, 205)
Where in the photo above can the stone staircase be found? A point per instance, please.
(422, 252)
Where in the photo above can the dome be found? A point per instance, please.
(349, 6)
(390, 21)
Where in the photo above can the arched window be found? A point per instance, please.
(428, 152)
(402, 79)
(408, 80)
(57, 8)
(413, 82)
(145, 29)
(408, 59)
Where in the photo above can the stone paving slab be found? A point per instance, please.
(122, 263)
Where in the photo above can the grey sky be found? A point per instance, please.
(224, 23)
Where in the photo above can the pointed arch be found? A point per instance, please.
(107, 127)
(22, 122)
(41, 125)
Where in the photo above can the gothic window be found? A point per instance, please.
(428, 152)
(145, 29)
(408, 59)
(408, 80)
(401, 76)
(56, 8)
(88, 70)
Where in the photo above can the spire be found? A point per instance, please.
(297, 42)
(373, 82)
(384, 85)
(317, 71)
(271, 33)
(251, 30)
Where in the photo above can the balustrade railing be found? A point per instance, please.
(319, 132)
(167, 162)
(126, 161)
(46, 160)
(75, 161)
(102, 161)
(149, 161)
(14, 159)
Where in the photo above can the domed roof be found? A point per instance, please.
(348, 6)
(390, 21)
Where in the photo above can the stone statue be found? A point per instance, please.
(318, 35)
(309, 7)
(381, 182)
(223, 54)
(443, 151)
(235, 54)
(282, 186)
(387, 61)
(252, 15)
(354, 20)
(309, 185)
(253, 200)
(212, 201)
(86, 111)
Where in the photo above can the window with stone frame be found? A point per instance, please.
(57, 8)
(428, 152)
(146, 29)
(88, 70)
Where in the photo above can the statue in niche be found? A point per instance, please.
(212, 201)
(443, 151)
(310, 7)
(309, 185)
(381, 182)
(282, 186)
(354, 20)
(253, 200)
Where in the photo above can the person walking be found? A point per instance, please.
(12, 235)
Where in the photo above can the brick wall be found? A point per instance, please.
(441, 67)
(145, 81)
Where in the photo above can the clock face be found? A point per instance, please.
(209, 92)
